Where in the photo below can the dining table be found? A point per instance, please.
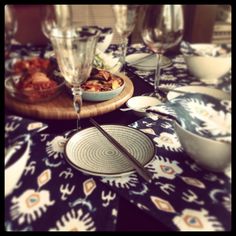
(52, 195)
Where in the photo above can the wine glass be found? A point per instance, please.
(10, 25)
(125, 17)
(74, 48)
(162, 29)
(55, 16)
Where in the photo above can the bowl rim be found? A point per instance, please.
(105, 92)
(201, 137)
(228, 57)
(188, 88)
(14, 89)
(9, 63)
(24, 96)
(197, 46)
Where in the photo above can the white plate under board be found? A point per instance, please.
(148, 63)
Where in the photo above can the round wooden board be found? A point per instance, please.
(61, 107)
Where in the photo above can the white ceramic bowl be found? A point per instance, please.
(99, 96)
(35, 96)
(207, 68)
(139, 104)
(208, 153)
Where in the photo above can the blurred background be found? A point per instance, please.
(203, 23)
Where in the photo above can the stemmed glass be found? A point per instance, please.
(125, 17)
(10, 25)
(162, 29)
(74, 48)
(55, 16)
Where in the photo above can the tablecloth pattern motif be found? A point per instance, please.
(182, 195)
(214, 120)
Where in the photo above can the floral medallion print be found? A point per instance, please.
(192, 220)
(121, 182)
(75, 221)
(168, 141)
(30, 205)
(163, 167)
(55, 147)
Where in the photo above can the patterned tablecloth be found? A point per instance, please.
(52, 195)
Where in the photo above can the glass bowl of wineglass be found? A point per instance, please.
(162, 29)
(55, 16)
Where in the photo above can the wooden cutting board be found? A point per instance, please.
(61, 107)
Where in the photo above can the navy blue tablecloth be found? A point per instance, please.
(52, 195)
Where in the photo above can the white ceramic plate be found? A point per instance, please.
(90, 152)
(147, 64)
(216, 93)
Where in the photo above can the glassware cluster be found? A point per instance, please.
(74, 47)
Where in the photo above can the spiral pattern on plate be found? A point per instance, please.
(89, 151)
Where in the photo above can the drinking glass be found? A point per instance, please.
(162, 29)
(10, 25)
(125, 17)
(74, 48)
(55, 16)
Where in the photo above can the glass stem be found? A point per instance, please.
(124, 44)
(77, 101)
(8, 44)
(157, 73)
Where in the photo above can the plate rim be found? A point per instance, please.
(107, 174)
(148, 67)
